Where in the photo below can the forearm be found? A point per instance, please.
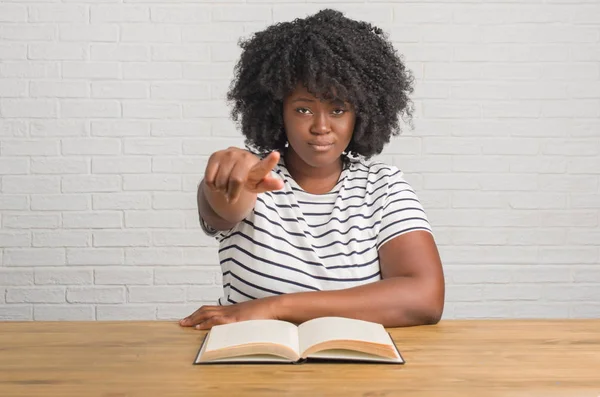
(214, 207)
(393, 302)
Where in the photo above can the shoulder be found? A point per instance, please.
(373, 170)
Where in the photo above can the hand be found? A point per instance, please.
(233, 170)
(208, 316)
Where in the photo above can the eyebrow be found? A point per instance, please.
(302, 100)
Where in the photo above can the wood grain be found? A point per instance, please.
(453, 358)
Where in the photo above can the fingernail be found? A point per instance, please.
(197, 326)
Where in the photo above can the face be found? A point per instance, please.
(318, 131)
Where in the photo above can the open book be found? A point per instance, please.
(274, 341)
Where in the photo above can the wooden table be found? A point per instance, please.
(453, 358)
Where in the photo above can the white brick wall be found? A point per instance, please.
(108, 113)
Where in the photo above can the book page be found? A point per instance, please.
(326, 329)
(253, 332)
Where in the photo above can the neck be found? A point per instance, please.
(315, 180)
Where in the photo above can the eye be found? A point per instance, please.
(339, 112)
(303, 111)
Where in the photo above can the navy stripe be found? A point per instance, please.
(400, 210)
(342, 221)
(397, 201)
(288, 268)
(401, 221)
(300, 259)
(269, 276)
(254, 285)
(231, 300)
(290, 206)
(346, 243)
(242, 293)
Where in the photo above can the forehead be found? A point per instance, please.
(301, 91)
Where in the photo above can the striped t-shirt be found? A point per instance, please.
(295, 241)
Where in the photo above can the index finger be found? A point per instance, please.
(263, 167)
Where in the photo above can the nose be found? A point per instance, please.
(320, 124)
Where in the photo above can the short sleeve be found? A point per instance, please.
(212, 232)
(402, 211)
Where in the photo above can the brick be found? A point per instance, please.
(92, 220)
(28, 32)
(34, 256)
(35, 295)
(12, 128)
(63, 313)
(128, 313)
(536, 237)
(539, 165)
(588, 89)
(35, 108)
(583, 310)
(570, 72)
(57, 51)
(14, 166)
(30, 147)
(12, 88)
(179, 91)
(219, 32)
(205, 109)
(59, 276)
(62, 238)
(30, 184)
(583, 165)
(179, 165)
(181, 14)
(119, 13)
(566, 254)
(121, 238)
(119, 52)
(200, 256)
(121, 201)
(120, 128)
(484, 310)
(58, 13)
(154, 256)
(118, 90)
(208, 146)
(181, 52)
(174, 311)
(538, 200)
(152, 71)
(153, 33)
(507, 182)
(208, 71)
(122, 276)
(242, 13)
(151, 182)
(187, 238)
(571, 218)
(55, 89)
(89, 33)
(184, 276)
(91, 184)
(95, 256)
(29, 69)
(121, 165)
(463, 293)
(16, 277)
(90, 71)
(204, 293)
(153, 146)
(13, 13)
(538, 310)
(570, 147)
(583, 236)
(571, 108)
(60, 202)
(59, 165)
(568, 183)
(462, 199)
(27, 221)
(154, 219)
(171, 201)
(584, 274)
(151, 110)
(13, 202)
(584, 201)
(570, 293)
(58, 128)
(89, 108)
(16, 313)
(95, 295)
(516, 292)
(156, 294)
(186, 128)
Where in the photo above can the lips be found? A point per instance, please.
(320, 143)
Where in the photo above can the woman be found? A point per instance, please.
(307, 227)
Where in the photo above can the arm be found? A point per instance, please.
(411, 291)
(232, 179)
